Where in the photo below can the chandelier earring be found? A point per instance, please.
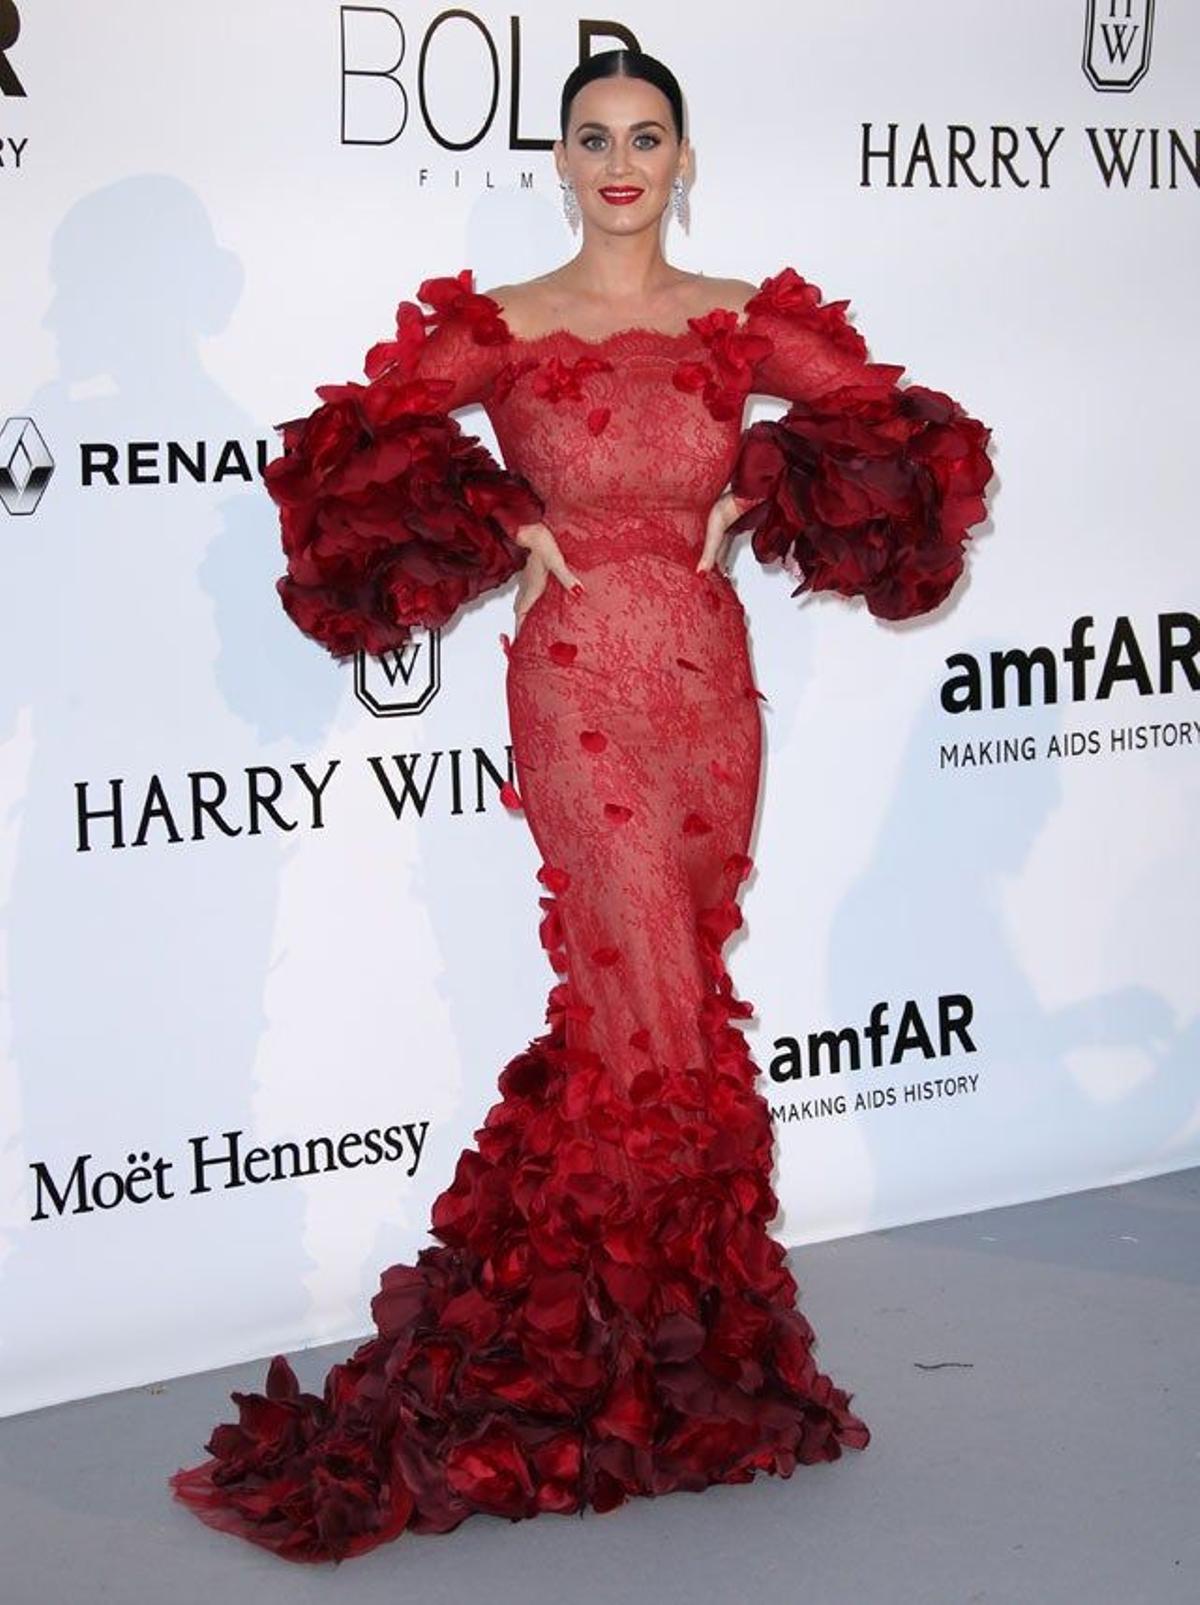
(679, 201)
(570, 203)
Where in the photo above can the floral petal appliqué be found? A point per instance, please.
(556, 879)
(502, 384)
(739, 864)
(562, 381)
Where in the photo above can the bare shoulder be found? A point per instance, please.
(532, 306)
(524, 301)
(730, 294)
(502, 292)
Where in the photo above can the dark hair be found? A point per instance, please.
(623, 64)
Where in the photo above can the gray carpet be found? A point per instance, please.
(1030, 1376)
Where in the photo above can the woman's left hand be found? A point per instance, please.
(724, 510)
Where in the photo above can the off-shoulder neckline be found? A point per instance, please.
(631, 335)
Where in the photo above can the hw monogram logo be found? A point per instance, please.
(404, 681)
(1116, 47)
(25, 465)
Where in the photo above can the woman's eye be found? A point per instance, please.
(593, 141)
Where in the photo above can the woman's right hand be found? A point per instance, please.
(544, 559)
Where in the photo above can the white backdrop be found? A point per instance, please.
(204, 220)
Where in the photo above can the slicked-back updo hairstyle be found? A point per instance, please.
(623, 64)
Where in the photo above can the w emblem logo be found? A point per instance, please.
(403, 681)
(1116, 50)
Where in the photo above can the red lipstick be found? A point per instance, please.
(620, 194)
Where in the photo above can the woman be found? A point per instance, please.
(606, 1313)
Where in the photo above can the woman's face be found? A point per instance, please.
(621, 140)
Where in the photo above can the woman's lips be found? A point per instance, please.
(617, 195)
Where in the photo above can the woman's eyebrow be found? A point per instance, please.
(648, 122)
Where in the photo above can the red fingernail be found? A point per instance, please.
(577, 589)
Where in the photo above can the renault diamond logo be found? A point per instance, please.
(1116, 49)
(25, 465)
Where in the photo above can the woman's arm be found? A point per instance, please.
(391, 517)
(865, 486)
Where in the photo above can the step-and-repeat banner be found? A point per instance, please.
(269, 933)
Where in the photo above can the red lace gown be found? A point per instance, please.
(605, 1312)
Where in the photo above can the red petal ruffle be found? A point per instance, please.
(605, 1315)
(868, 490)
(390, 515)
(865, 488)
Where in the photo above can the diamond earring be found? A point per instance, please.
(679, 201)
(570, 203)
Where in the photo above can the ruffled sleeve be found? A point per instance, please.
(391, 516)
(864, 486)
